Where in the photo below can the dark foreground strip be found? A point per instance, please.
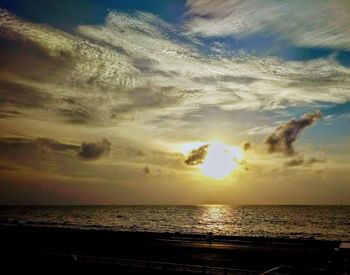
(163, 267)
(154, 267)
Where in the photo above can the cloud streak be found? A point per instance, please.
(310, 24)
(20, 148)
(45, 145)
(299, 161)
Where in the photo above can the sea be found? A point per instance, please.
(296, 222)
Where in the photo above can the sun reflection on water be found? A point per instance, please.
(213, 216)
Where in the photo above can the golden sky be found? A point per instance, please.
(140, 107)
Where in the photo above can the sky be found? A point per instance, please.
(174, 102)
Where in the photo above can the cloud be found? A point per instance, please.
(259, 130)
(139, 72)
(49, 145)
(304, 23)
(12, 147)
(16, 94)
(46, 145)
(329, 118)
(245, 165)
(344, 116)
(88, 62)
(295, 162)
(94, 150)
(299, 160)
(282, 139)
(197, 156)
(247, 146)
(136, 67)
(146, 170)
(65, 70)
(40, 154)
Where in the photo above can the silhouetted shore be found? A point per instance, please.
(34, 248)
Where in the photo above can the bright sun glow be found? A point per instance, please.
(221, 159)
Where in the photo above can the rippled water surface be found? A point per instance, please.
(320, 222)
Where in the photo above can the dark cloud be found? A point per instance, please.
(145, 65)
(197, 156)
(247, 146)
(282, 139)
(151, 96)
(24, 149)
(94, 150)
(146, 170)
(10, 144)
(295, 162)
(238, 79)
(21, 95)
(48, 144)
(36, 153)
(314, 160)
(7, 167)
(75, 111)
(76, 116)
(9, 113)
(246, 80)
(23, 61)
(140, 153)
(148, 66)
(23, 58)
(298, 161)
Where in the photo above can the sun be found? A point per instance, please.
(221, 160)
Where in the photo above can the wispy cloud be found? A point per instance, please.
(260, 130)
(138, 63)
(344, 116)
(300, 160)
(315, 23)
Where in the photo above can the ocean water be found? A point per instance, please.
(319, 222)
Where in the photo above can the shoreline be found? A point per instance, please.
(294, 237)
(195, 236)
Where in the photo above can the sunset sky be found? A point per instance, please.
(174, 102)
